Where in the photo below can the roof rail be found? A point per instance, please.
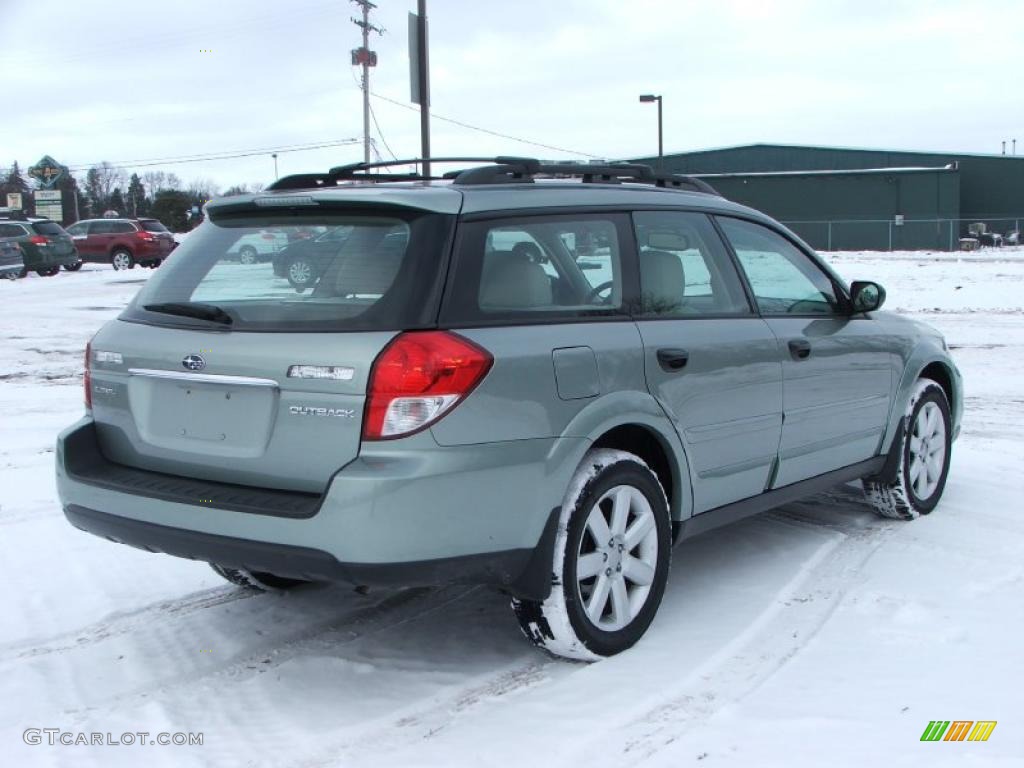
(499, 170)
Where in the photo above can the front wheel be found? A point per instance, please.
(924, 457)
(611, 561)
(248, 255)
(301, 274)
(74, 267)
(48, 271)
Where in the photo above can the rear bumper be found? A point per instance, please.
(410, 515)
(511, 569)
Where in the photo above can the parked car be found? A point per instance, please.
(259, 246)
(11, 263)
(123, 243)
(442, 406)
(1014, 238)
(45, 246)
(303, 259)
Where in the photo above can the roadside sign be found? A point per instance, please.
(49, 203)
(14, 200)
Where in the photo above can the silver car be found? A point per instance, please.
(538, 377)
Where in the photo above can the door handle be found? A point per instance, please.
(800, 349)
(673, 359)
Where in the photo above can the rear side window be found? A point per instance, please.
(122, 227)
(784, 279)
(152, 225)
(360, 272)
(537, 269)
(685, 270)
(48, 228)
(11, 230)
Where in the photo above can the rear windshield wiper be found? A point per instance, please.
(210, 312)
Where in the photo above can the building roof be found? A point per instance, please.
(951, 168)
(762, 145)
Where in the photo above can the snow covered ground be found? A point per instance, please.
(814, 635)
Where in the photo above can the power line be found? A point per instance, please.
(485, 130)
(381, 134)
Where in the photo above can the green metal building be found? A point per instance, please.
(850, 199)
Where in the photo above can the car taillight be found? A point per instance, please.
(143, 235)
(419, 377)
(38, 240)
(88, 376)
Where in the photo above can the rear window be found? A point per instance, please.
(47, 228)
(364, 271)
(152, 225)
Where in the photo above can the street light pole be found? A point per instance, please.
(647, 98)
(274, 155)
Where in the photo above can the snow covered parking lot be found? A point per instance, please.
(814, 635)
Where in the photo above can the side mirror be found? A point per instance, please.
(866, 296)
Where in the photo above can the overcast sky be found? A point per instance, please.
(127, 81)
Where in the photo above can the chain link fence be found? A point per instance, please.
(901, 235)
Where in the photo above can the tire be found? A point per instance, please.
(924, 452)
(48, 272)
(633, 577)
(258, 581)
(122, 259)
(301, 274)
(74, 267)
(248, 255)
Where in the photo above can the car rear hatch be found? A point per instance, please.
(53, 244)
(161, 237)
(225, 372)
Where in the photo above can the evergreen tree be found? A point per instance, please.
(135, 200)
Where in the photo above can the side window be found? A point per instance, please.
(76, 230)
(536, 267)
(10, 230)
(684, 268)
(784, 279)
(122, 227)
(101, 228)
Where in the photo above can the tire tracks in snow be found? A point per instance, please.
(799, 612)
(393, 610)
(123, 622)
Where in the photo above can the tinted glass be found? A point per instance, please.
(11, 230)
(77, 229)
(383, 275)
(532, 268)
(122, 227)
(152, 225)
(684, 268)
(48, 228)
(101, 227)
(784, 279)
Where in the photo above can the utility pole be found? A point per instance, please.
(365, 58)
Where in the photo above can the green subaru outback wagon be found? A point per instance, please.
(533, 376)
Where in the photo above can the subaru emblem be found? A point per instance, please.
(193, 363)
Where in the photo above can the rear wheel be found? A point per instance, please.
(74, 267)
(247, 255)
(611, 561)
(260, 581)
(48, 272)
(122, 259)
(301, 274)
(924, 457)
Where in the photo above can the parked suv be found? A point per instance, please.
(457, 399)
(123, 243)
(11, 263)
(45, 246)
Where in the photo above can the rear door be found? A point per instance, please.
(709, 360)
(97, 244)
(839, 370)
(225, 372)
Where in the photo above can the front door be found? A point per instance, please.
(709, 360)
(839, 369)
